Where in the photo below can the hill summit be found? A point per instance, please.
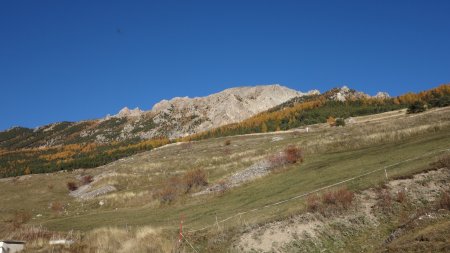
(228, 106)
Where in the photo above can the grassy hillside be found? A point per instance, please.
(405, 143)
(321, 108)
(89, 144)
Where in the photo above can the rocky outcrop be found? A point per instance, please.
(382, 95)
(345, 93)
(183, 115)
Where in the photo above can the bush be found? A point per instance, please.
(417, 107)
(290, 155)
(329, 198)
(330, 202)
(344, 197)
(195, 178)
(313, 203)
(444, 201)
(331, 121)
(340, 122)
(293, 154)
(175, 186)
(384, 200)
(401, 196)
(87, 179)
(443, 162)
(72, 186)
(168, 194)
(276, 160)
(57, 206)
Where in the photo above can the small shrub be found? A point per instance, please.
(195, 178)
(168, 194)
(344, 197)
(27, 171)
(340, 122)
(331, 121)
(175, 186)
(444, 201)
(87, 179)
(401, 196)
(313, 203)
(57, 206)
(384, 200)
(293, 154)
(330, 202)
(227, 142)
(443, 162)
(72, 186)
(276, 160)
(329, 198)
(417, 107)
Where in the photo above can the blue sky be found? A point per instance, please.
(72, 60)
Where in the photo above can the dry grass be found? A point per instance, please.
(19, 218)
(57, 207)
(384, 200)
(144, 239)
(152, 168)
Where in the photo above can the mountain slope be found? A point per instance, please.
(169, 118)
(88, 144)
(229, 106)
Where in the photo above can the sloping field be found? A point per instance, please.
(402, 144)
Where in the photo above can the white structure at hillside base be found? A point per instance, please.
(10, 246)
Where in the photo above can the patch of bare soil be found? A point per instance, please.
(86, 191)
(273, 236)
(257, 170)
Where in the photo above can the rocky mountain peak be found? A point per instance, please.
(225, 107)
(126, 113)
(382, 95)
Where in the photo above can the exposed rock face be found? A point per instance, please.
(382, 95)
(345, 93)
(125, 113)
(188, 115)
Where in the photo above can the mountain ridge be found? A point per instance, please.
(177, 117)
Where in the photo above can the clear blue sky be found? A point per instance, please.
(72, 60)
